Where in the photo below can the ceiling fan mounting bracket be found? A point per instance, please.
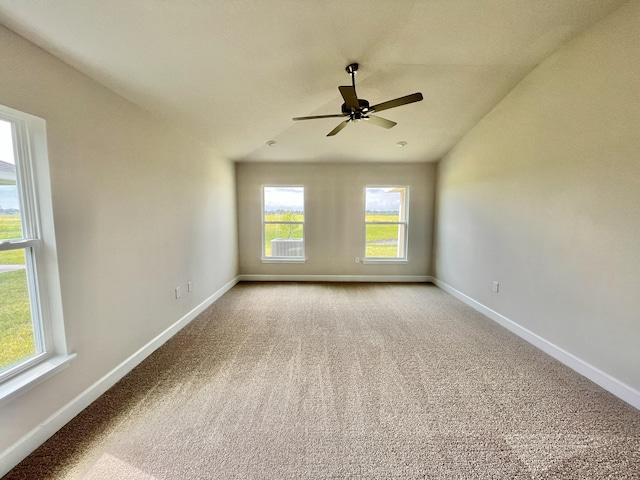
(352, 68)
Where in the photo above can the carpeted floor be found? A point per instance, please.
(304, 380)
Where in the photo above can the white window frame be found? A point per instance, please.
(283, 259)
(403, 225)
(38, 242)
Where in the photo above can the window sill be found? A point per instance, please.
(385, 260)
(284, 260)
(25, 381)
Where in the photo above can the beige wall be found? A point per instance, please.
(543, 196)
(139, 208)
(334, 211)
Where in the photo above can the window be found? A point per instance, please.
(386, 223)
(283, 223)
(31, 332)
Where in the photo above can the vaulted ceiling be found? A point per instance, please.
(233, 73)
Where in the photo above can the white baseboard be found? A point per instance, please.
(606, 381)
(336, 278)
(36, 437)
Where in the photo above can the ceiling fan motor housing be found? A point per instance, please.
(364, 107)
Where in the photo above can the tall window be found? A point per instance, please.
(26, 326)
(283, 223)
(386, 224)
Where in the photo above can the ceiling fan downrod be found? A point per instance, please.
(352, 69)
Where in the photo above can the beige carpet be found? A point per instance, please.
(302, 380)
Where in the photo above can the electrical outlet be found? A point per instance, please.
(496, 286)
(178, 292)
(189, 286)
(357, 259)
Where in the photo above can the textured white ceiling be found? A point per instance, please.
(233, 73)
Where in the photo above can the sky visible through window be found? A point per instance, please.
(6, 143)
(284, 198)
(382, 200)
(8, 193)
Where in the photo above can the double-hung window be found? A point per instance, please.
(32, 342)
(283, 223)
(386, 223)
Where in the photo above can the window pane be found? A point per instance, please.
(280, 200)
(11, 225)
(284, 240)
(382, 241)
(17, 341)
(383, 204)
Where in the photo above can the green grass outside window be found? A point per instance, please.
(16, 329)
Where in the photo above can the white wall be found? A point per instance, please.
(543, 195)
(334, 213)
(139, 208)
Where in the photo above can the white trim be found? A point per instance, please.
(335, 278)
(36, 437)
(284, 260)
(603, 379)
(29, 136)
(33, 375)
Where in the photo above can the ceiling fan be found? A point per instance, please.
(359, 109)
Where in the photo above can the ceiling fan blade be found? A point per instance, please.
(350, 97)
(338, 128)
(414, 97)
(337, 115)
(381, 122)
